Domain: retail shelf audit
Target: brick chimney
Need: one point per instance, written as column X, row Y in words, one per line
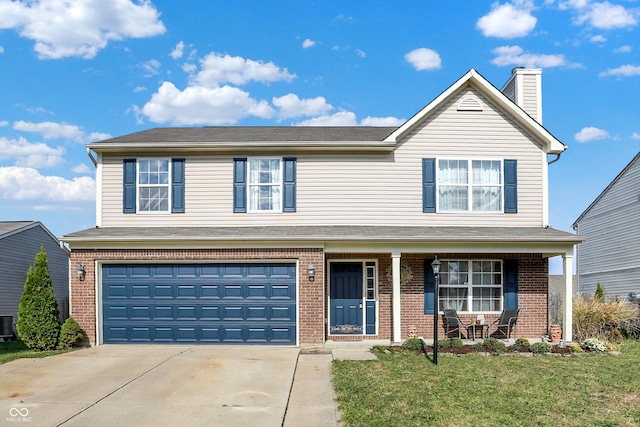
column 524, row 87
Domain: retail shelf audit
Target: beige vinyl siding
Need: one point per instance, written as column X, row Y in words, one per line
column 611, row 229
column 358, row 189
column 530, row 95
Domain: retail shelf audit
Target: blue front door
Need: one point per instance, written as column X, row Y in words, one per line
column 345, row 295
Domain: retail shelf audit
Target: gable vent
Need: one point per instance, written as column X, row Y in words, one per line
column 469, row 103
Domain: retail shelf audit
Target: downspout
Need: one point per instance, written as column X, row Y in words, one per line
column 93, row 160
column 556, row 159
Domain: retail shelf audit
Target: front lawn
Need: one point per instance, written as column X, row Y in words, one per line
column 406, row 389
column 16, row 349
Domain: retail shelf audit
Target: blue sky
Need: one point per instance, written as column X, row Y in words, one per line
column 80, row 71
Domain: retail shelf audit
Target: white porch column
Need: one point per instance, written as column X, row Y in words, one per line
column 395, row 272
column 567, row 326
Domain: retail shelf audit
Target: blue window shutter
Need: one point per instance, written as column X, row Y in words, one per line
column 429, row 287
column 428, row 185
column 240, row 185
column 289, row 181
column 510, row 186
column 510, row 283
column 129, row 186
column 177, row 185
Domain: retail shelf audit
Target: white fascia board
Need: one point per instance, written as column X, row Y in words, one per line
column 99, row 191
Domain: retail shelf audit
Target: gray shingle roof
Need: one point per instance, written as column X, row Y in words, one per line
column 7, row 227
column 325, row 233
column 255, row 134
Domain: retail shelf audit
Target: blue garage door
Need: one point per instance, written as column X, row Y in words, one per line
column 205, row 303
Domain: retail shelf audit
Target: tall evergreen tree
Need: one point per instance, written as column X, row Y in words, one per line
column 38, row 314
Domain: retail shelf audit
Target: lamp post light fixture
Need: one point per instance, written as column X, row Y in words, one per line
column 435, row 265
column 311, row 272
column 80, row 271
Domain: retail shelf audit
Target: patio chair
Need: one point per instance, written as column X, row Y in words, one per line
column 452, row 322
column 507, row 320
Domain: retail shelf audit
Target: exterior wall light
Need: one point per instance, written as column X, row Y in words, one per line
column 435, row 265
column 311, row 272
column 81, row 272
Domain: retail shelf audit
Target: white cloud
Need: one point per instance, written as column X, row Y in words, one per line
column 598, row 39
column 177, row 51
column 508, row 20
column 139, row 89
column 25, row 153
column 347, row 118
column 590, row 134
column 1, row 49
column 623, row 49
column 52, row 130
column 189, row 68
column 424, row 59
column 4, row 123
column 361, row 53
column 82, row 169
column 514, row 55
column 79, row 28
column 341, row 118
column 606, row 16
column 382, row 121
column 219, row 69
column 25, row 183
column 624, row 70
column 307, row 43
column 635, row 135
column 197, row 105
column 291, row 105
column 151, row 67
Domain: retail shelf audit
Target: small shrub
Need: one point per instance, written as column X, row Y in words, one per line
column 541, row 347
column 594, row 345
column 521, row 343
column 575, row 348
column 615, row 336
column 444, row 343
column 599, row 294
column 595, row 318
column 70, row 334
column 478, row 346
column 413, row 344
column 493, row 345
column 456, row 343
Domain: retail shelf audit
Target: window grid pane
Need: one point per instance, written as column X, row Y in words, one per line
column 265, row 179
column 471, row 285
column 153, row 185
column 478, row 190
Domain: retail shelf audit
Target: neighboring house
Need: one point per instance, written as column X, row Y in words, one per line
column 20, row 242
column 610, row 254
column 300, row 235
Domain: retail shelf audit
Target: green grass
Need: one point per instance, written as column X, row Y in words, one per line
column 405, row 389
column 16, row 349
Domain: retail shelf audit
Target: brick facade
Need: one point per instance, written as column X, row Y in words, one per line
column 312, row 295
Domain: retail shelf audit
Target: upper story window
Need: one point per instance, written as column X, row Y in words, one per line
column 264, row 184
column 153, row 185
column 474, row 185
column 462, row 185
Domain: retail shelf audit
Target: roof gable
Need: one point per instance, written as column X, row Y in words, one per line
column 9, row 228
column 478, row 82
column 606, row 190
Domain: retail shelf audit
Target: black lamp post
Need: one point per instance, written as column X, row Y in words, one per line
column 436, row 292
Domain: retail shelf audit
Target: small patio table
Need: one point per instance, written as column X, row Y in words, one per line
column 474, row 326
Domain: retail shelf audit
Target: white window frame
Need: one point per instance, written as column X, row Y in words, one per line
column 139, row 209
column 469, row 185
column 250, row 208
column 470, row 286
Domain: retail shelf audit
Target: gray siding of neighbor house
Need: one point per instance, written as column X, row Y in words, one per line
column 610, row 254
column 17, row 254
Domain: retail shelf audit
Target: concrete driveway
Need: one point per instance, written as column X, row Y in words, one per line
column 125, row 385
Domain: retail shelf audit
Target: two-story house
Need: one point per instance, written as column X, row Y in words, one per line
column 300, row 235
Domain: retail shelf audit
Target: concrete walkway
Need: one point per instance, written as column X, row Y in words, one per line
column 312, row 402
